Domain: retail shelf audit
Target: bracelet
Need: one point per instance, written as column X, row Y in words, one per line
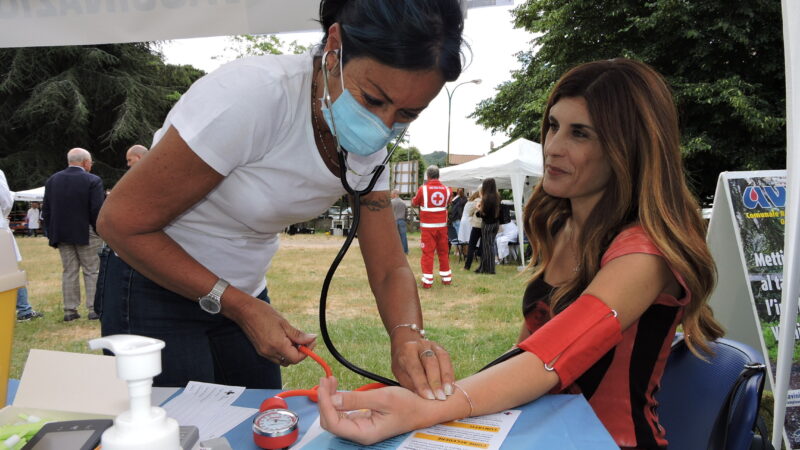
column 413, row 326
column 469, row 400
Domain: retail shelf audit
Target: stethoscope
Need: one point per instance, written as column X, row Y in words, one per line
column 356, row 194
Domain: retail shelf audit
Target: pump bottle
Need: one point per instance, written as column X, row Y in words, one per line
column 144, row 426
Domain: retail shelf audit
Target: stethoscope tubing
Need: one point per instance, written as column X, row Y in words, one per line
column 356, row 194
column 323, row 298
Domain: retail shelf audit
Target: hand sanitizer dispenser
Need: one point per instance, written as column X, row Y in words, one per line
column 144, row 426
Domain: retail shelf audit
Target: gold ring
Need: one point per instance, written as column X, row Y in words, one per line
column 427, row 353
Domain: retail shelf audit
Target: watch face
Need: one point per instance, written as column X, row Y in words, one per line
column 275, row 422
column 210, row 305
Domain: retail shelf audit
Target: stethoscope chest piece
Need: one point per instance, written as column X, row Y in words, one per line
column 275, row 426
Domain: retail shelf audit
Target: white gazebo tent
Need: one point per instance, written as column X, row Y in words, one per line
column 516, row 166
column 30, row 195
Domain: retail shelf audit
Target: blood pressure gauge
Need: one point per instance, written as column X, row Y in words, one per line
column 276, row 427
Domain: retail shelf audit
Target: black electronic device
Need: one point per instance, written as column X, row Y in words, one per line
column 69, row 435
column 189, row 435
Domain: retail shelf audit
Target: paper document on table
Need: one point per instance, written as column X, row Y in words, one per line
column 484, row 432
column 208, row 407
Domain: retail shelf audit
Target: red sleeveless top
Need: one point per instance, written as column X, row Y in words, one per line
column 622, row 384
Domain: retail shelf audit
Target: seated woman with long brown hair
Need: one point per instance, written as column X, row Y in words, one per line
column 620, row 261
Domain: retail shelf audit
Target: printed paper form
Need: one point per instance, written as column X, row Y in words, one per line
column 208, row 407
column 483, row 432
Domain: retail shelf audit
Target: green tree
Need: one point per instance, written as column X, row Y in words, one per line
column 103, row 98
column 436, row 158
column 262, row 44
column 723, row 59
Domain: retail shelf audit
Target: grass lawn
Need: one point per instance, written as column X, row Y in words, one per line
column 476, row 318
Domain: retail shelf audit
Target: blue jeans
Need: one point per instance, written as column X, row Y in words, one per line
column 23, row 307
column 456, row 225
column 199, row 346
column 401, row 228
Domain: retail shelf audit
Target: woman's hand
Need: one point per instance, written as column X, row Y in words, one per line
column 371, row 416
column 417, row 363
column 421, row 365
column 272, row 336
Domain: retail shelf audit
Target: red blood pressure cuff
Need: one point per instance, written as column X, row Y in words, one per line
column 572, row 341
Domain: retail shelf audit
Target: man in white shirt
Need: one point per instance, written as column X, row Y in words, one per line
column 32, row 219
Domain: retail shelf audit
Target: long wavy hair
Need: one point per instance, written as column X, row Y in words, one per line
column 490, row 198
column 636, row 121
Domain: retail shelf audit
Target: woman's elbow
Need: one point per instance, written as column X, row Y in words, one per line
column 108, row 225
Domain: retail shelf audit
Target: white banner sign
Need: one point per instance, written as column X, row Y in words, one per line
column 31, row 23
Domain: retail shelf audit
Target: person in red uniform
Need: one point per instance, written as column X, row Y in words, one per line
column 432, row 199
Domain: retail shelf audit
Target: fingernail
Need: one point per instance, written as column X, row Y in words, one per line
column 429, row 395
column 337, row 400
column 448, row 389
column 440, row 395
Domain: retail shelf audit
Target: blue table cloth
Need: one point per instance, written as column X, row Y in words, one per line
column 565, row 422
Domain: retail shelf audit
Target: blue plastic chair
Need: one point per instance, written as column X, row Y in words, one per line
column 711, row 405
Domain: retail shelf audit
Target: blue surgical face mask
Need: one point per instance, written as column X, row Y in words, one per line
column 355, row 128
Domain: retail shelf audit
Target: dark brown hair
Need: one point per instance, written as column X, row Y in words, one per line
column 490, row 198
column 633, row 112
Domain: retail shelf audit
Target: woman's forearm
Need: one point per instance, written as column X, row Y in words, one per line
column 495, row 389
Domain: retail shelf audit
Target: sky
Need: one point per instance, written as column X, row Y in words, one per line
column 493, row 43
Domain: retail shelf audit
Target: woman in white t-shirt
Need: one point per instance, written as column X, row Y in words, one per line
column 252, row 148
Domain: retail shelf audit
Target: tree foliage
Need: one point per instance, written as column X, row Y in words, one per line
column 103, row 98
column 262, row 44
column 723, row 60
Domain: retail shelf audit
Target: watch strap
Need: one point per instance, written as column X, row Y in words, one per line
column 218, row 289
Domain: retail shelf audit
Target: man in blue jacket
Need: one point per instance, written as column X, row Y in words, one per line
column 72, row 200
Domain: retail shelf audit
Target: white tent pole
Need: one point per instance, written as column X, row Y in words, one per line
column 517, row 185
column 791, row 258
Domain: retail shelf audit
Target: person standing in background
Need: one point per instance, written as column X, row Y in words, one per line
column 72, row 201
column 432, row 199
column 32, row 218
column 464, row 225
column 24, row 310
column 134, row 154
column 456, row 210
column 399, row 208
column 489, row 212
column 475, row 224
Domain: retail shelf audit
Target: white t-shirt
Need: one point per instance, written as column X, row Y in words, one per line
column 250, row 120
column 33, row 218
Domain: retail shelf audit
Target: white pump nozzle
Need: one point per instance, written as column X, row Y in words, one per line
column 137, row 357
column 143, row 427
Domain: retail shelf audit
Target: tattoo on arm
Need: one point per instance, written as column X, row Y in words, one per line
column 378, row 203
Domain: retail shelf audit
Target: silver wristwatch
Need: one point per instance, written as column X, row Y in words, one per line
column 211, row 302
